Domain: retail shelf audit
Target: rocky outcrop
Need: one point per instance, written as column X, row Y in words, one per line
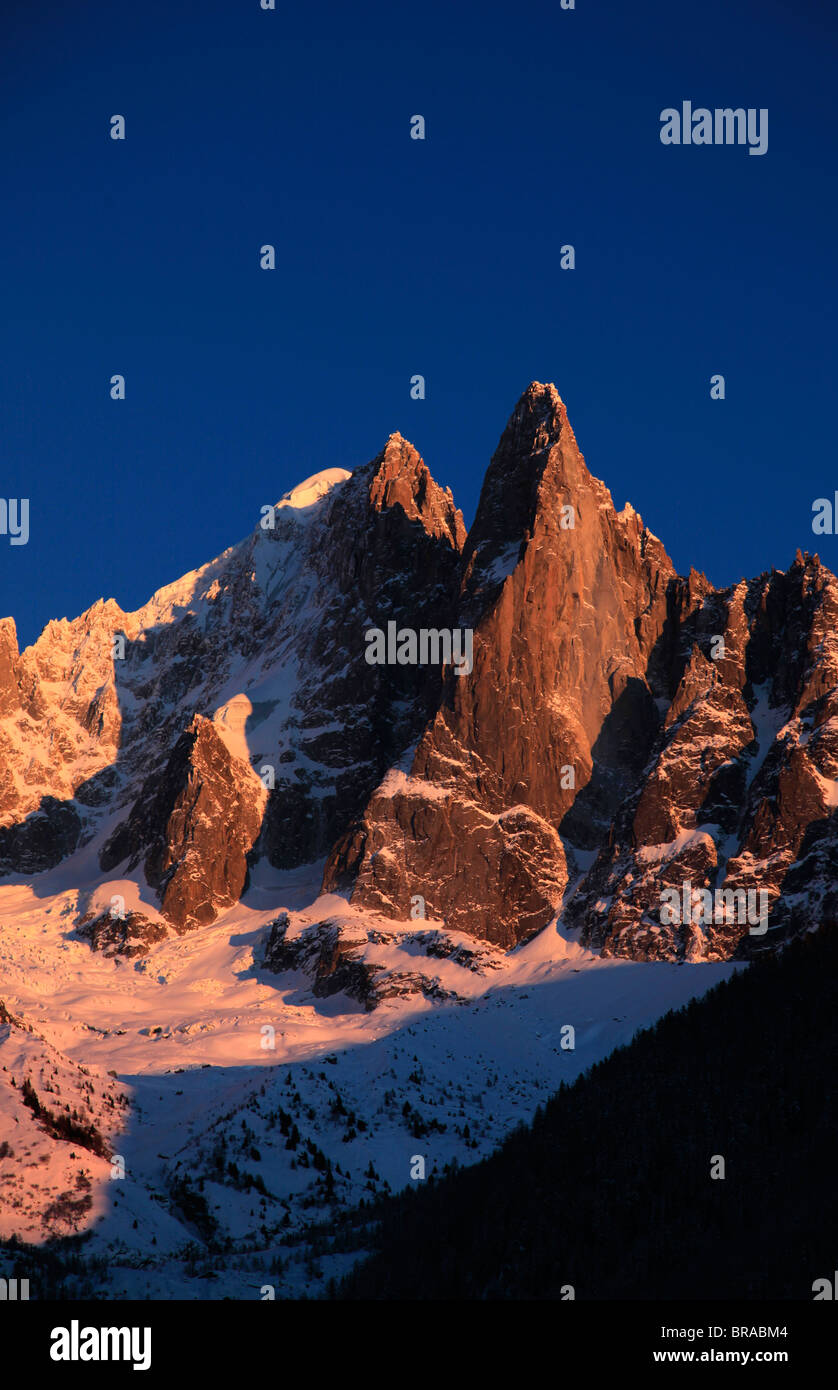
column 193, row 828
column 497, row 876
column 48, row 835
column 123, row 934
column 324, row 952
column 740, row 791
column 371, row 964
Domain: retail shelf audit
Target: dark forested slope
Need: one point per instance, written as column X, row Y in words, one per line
column 610, row 1190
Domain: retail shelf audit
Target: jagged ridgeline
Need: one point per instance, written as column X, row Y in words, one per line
column 618, row 735
column 611, row 1192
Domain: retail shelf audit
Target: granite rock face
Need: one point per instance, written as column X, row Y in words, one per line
column 193, row 828
column 568, row 602
column 386, row 550
column 622, row 735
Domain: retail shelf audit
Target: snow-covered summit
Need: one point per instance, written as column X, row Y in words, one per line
column 312, row 490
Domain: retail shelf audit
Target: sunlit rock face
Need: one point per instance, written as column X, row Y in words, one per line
column 534, row 750
column 617, row 732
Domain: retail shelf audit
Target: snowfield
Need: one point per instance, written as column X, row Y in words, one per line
column 240, row 1115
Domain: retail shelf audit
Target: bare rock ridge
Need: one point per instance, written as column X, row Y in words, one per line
column 740, row 792
column 623, row 729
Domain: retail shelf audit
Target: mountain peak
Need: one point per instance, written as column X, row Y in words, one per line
column 537, row 441
column 542, row 393
column 539, row 416
column 312, row 489
column 401, row 477
column 398, row 456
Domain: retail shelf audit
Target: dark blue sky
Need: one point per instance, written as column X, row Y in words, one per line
column 398, row 257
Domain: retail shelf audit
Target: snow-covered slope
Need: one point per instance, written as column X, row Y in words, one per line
column 256, row 1108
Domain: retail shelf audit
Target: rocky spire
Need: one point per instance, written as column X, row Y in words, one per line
column 567, row 601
